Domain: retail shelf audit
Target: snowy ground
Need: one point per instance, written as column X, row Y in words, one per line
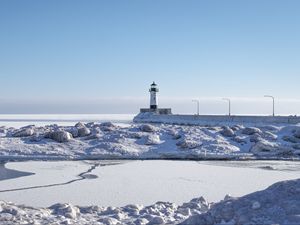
column 279, row 204
column 144, row 141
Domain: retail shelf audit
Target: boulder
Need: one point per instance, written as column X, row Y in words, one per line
column 79, row 124
column 264, row 148
column 93, row 136
column 255, row 138
column 36, row 138
column 152, row 140
column 73, row 131
column 291, row 139
column 297, row 133
column 270, row 135
column 251, row 131
column 2, row 129
column 66, row 210
column 147, row 128
column 175, row 134
column 237, row 127
column 157, row 220
column 135, row 135
column 227, row 132
column 239, row 140
column 271, row 128
column 83, row 131
column 59, row 136
column 296, row 146
column 107, row 126
column 24, row 132
column 188, row 144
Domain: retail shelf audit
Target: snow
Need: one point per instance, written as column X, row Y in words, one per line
column 107, row 140
column 278, row 204
column 122, row 189
column 117, row 183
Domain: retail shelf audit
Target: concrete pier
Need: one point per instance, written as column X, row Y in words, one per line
column 213, row 120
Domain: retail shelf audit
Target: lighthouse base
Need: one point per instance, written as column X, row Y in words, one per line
column 160, row 111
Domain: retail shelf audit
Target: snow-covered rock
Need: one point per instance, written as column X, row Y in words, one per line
column 83, row 131
column 73, row 131
column 152, row 139
column 107, row 140
column 264, row 147
column 66, row 210
column 188, row 144
column 237, row 127
column 227, row 132
column 3, row 131
column 278, row 204
column 59, row 136
column 255, row 138
column 24, row 132
column 93, row 136
column 239, row 140
column 270, row 135
column 147, row 128
column 251, row 130
column 108, row 126
column 291, row 139
column 297, row 133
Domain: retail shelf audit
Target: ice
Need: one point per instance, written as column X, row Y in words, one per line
column 20, row 120
column 141, row 182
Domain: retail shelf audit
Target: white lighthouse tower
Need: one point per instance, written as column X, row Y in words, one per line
column 153, row 103
column 153, row 100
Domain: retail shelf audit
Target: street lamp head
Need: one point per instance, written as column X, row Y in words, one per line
column 269, row 96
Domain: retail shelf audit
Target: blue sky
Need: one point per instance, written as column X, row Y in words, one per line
column 101, row 56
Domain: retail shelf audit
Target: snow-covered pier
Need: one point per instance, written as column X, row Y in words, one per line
column 214, row 120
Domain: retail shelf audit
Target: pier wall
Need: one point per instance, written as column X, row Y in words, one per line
column 214, row 119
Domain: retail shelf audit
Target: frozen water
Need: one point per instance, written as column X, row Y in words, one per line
column 141, row 182
column 20, row 120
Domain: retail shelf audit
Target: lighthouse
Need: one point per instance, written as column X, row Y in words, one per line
column 153, row 103
column 153, row 100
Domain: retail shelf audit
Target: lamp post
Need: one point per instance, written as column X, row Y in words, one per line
column 198, row 105
column 229, row 105
column 273, row 99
